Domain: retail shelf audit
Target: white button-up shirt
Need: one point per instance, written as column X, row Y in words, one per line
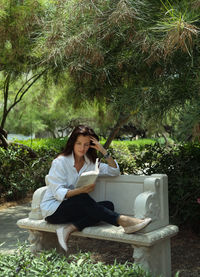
column 63, row 176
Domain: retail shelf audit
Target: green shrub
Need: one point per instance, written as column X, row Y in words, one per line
column 14, row 178
column 182, row 166
column 50, row 263
column 20, row 172
column 39, row 145
column 123, row 156
column 133, row 144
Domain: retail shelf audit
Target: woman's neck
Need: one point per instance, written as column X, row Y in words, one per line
column 79, row 162
column 79, row 159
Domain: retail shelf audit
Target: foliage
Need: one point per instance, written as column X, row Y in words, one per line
column 138, row 59
column 126, row 151
column 45, row 144
column 20, row 22
column 50, row 263
column 20, row 172
column 186, row 122
column 141, row 57
column 48, row 111
column 123, row 156
column 19, row 27
column 181, row 164
column 13, row 173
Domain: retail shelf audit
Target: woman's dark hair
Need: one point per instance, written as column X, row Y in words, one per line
column 84, row 131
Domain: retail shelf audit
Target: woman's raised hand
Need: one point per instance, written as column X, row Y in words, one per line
column 97, row 145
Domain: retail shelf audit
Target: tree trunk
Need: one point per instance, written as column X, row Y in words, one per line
column 5, row 104
column 121, row 121
column 3, row 138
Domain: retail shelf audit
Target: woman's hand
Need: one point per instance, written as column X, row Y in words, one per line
column 87, row 189
column 84, row 189
column 97, row 145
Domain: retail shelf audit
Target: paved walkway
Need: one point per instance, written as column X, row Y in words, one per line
column 10, row 233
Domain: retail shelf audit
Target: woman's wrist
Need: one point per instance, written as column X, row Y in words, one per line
column 104, row 152
column 107, row 155
column 72, row 192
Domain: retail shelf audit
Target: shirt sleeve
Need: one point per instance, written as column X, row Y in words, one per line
column 105, row 169
column 56, row 180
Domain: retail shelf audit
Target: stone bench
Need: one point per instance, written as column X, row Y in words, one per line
column 139, row 196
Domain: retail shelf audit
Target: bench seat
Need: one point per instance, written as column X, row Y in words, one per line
column 106, row 232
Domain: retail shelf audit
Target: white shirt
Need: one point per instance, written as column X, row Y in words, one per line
column 63, row 176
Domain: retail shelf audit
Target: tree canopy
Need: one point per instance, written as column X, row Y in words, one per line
column 20, row 22
column 140, row 58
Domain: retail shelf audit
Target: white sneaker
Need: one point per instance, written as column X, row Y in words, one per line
column 61, row 238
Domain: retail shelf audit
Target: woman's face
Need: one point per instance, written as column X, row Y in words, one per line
column 81, row 146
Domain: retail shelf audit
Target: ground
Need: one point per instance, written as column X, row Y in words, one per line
column 185, row 248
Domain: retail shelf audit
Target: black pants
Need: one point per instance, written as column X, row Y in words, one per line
column 83, row 211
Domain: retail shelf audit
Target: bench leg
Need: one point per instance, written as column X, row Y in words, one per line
column 155, row 259
column 43, row 241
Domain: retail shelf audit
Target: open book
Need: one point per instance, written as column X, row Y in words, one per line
column 89, row 177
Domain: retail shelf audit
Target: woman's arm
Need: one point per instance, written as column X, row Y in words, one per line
column 84, row 189
column 104, row 152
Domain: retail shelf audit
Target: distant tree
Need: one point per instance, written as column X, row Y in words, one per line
column 48, row 111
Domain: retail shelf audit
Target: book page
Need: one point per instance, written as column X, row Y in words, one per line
column 89, row 177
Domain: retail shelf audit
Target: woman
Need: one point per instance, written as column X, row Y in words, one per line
column 63, row 203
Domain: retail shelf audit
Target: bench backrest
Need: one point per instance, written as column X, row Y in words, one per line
column 139, row 196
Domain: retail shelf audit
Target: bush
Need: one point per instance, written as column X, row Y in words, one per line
column 123, row 156
column 20, row 172
column 14, row 167
column 181, row 164
column 40, row 145
column 50, row 263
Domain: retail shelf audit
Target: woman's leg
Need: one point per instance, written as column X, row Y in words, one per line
column 83, row 211
column 91, row 220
